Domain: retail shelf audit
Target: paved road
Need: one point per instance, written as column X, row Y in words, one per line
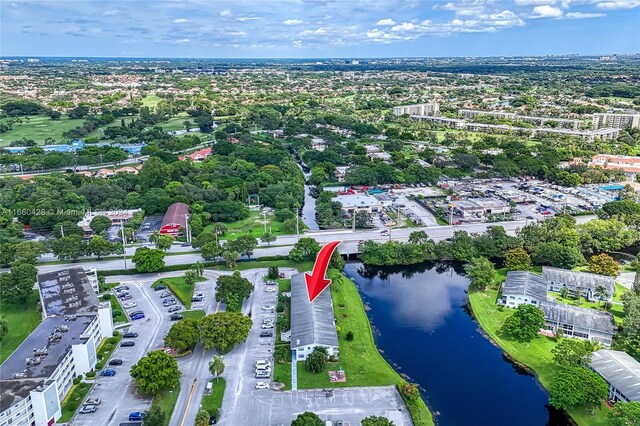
column 283, row 244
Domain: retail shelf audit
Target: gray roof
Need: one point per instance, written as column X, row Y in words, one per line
column 311, row 323
column 67, row 292
column 577, row 316
column 526, row 284
column 620, row 370
column 36, row 374
column 579, row 279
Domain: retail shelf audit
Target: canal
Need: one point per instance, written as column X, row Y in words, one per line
column 422, row 326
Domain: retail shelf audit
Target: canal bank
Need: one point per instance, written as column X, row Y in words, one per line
column 423, row 328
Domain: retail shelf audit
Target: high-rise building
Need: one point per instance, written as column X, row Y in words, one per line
column 618, row 121
column 426, row 109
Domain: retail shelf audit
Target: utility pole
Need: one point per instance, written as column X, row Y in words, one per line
column 61, row 231
column 264, row 214
column 297, row 225
column 124, row 244
column 353, row 225
column 187, row 231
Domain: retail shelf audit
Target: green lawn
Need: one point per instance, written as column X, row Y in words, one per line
column 22, row 320
column 620, row 290
column 195, row 315
column 179, row 288
column 212, row 403
column 39, row 128
column 166, row 401
column 282, row 374
column 105, row 350
column 151, row 100
column 252, row 264
column 535, row 355
column 616, row 310
column 73, row 401
column 252, row 225
column 359, row 358
column 117, row 313
column 176, row 123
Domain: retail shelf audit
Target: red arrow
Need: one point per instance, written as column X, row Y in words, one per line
column 316, row 282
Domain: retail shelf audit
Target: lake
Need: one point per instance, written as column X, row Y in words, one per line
column 422, row 326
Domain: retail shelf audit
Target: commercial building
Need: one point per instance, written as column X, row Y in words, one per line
column 618, row 121
column 38, row 375
column 116, row 217
column 480, row 207
column 426, row 109
column 312, row 324
column 523, row 287
column 587, row 284
column 579, row 323
column 630, row 165
column 174, row 219
column 357, row 203
column 620, row 371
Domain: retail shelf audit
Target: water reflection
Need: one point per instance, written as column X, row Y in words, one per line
column 422, row 327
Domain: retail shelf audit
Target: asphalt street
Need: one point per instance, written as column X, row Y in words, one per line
column 282, row 245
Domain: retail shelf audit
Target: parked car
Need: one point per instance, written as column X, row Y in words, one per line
column 122, row 294
column 130, row 335
column 136, row 313
column 270, row 289
column 174, row 309
column 168, row 303
column 137, row 317
column 128, row 343
column 384, row 232
column 176, row 317
column 160, row 287
column 137, row 416
column 129, row 305
column 108, row 372
column 262, row 375
column 262, row 385
column 165, row 294
column 197, row 299
column 266, row 326
column 122, row 288
column 115, row 361
column 87, row 409
column 272, row 283
column 268, row 308
column 266, row 334
column 93, row 401
column 127, row 297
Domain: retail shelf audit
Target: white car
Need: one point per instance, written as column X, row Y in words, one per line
column 129, row 305
column 268, row 308
column 270, row 289
column 262, row 385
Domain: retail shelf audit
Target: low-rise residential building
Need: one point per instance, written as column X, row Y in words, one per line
column 586, row 283
column 312, row 324
column 39, row 374
column 340, row 173
column 358, row 202
column 630, row 165
column 382, row 156
column 318, row 144
column 580, row 323
column 619, row 121
column 523, row 287
column 198, row 155
column 620, row 371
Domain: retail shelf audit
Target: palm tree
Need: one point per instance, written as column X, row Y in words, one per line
column 564, row 292
column 219, row 228
column 216, row 367
column 153, row 238
column 230, row 257
column 601, row 292
column 198, row 267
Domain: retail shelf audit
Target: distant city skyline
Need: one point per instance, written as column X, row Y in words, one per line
column 318, row 28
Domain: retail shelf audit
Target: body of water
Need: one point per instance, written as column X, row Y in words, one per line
column 422, row 326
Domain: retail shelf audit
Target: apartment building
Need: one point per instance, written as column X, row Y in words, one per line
column 630, row 165
column 426, row 109
column 618, row 121
column 39, row 374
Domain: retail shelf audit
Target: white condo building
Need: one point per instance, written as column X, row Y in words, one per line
column 430, row 108
column 618, row 121
column 39, row 374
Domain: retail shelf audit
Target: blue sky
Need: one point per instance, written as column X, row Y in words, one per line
column 318, row 28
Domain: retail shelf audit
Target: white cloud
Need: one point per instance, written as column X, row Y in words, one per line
column 386, row 22
column 110, row 12
column 226, row 12
column 582, row 15
column 405, row 26
column 292, row 22
column 619, row 4
column 297, row 43
column 534, row 2
column 181, row 41
column 457, row 22
column 546, row 11
column 179, row 21
column 247, row 18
